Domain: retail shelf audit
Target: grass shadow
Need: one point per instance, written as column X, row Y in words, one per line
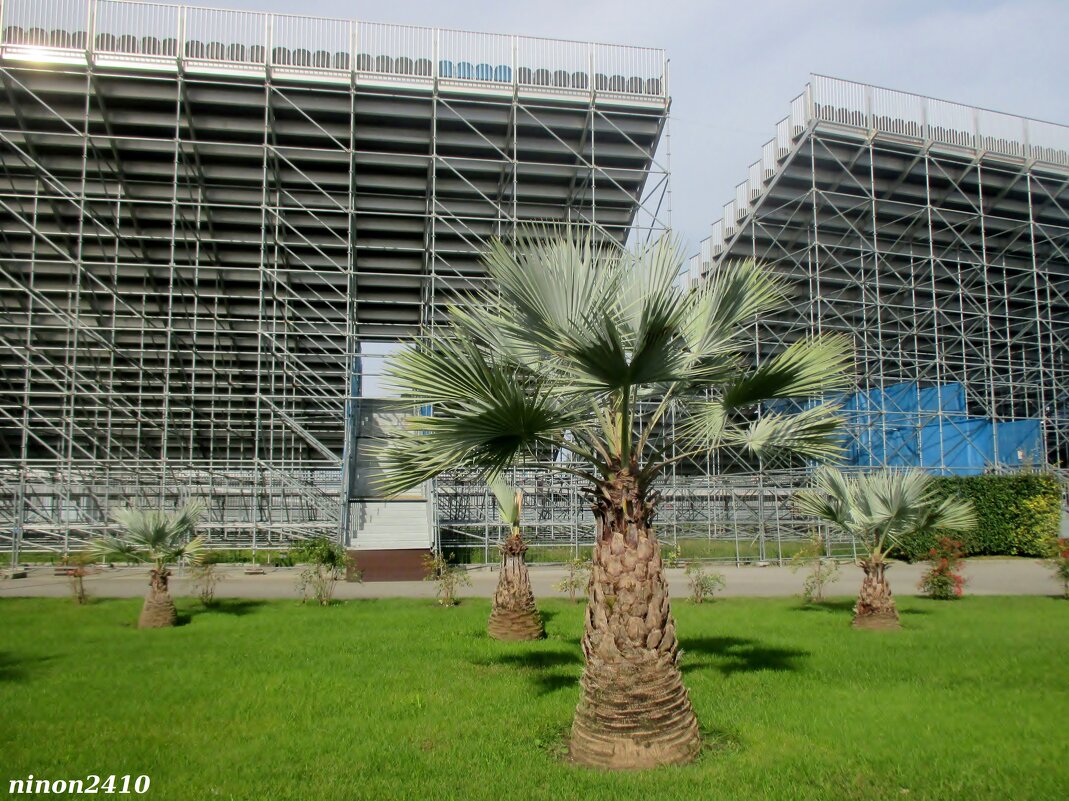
column 838, row 605
column 19, row 669
column 236, row 607
column 732, row 655
column 544, row 669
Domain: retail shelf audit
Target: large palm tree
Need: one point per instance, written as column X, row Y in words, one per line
column 514, row 615
column 577, row 357
column 877, row 510
column 160, row 539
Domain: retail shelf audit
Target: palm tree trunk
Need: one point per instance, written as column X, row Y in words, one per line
column 158, row 611
column 514, row 616
column 875, row 607
column 634, row 711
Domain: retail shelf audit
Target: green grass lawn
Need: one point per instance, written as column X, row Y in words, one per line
column 401, row 699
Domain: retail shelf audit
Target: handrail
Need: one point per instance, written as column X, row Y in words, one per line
column 146, row 32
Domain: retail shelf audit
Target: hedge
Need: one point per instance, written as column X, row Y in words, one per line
column 1017, row 514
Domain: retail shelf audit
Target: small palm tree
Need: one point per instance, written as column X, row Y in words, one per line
column 877, row 510
column 514, row 615
column 160, row 539
column 577, row 359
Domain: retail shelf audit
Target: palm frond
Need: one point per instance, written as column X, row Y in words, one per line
column 509, row 503
column 812, row 434
column 734, row 294
column 805, row 369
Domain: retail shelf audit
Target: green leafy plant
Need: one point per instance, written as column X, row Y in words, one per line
column 574, row 356
column 324, row 563
column 79, row 565
column 206, row 578
column 1016, row 515
column 576, row 577
column 159, row 539
column 448, row 576
column 942, row 580
column 703, row 585
column 1058, row 559
column 877, row 510
column 820, row 570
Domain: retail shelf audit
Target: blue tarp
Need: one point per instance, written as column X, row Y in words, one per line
column 909, row 425
column 906, row 425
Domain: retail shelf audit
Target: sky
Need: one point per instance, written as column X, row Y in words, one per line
column 735, row 66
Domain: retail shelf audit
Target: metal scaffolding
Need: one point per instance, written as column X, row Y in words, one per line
column 206, row 216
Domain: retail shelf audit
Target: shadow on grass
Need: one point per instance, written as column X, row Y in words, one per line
column 14, row 668
column 545, row 669
column 841, row 605
column 732, row 655
column 237, row 607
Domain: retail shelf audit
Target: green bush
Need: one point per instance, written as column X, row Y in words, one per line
column 1017, row 515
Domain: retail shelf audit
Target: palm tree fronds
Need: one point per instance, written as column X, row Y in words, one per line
column 805, row 369
column 812, row 434
column 508, row 501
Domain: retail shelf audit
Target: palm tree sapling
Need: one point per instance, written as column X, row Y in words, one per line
column 514, row 615
column 877, row 510
column 578, row 358
column 160, row 539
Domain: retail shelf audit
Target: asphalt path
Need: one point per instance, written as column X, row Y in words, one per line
column 984, row 577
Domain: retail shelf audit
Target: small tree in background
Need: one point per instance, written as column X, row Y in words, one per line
column 577, row 578
column 449, row 577
column 877, row 510
column 206, row 578
column 703, row 585
column 325, row 562
column 79, row 565
column 160, row 539
column 1059, row 562
column 822, row 570
column 942, row 580
column 514, row 615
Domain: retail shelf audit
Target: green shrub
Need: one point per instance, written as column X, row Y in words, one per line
column 1017, row 515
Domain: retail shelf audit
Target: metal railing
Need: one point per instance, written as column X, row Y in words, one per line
column 242, row 40
column 876, row 110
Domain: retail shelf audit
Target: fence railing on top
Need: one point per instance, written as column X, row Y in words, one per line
column 210, row 37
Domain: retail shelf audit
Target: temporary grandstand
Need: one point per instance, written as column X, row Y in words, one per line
column 209, row 218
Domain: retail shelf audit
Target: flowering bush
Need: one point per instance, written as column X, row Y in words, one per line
column 1059, row 562
column 942, row 580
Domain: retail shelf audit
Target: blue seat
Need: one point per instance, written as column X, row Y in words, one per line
column 484, row 72
column 524, row 75
column 445, row 69
column 364, row 62
column 384, row 64
column 341, row 60
column 423, row 67
column 236, row 52
column 302, row 57
column 404, row 65
column 503, row 73
column 465, row 70
column 541, row 77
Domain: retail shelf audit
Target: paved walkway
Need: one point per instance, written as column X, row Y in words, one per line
column 985, row 577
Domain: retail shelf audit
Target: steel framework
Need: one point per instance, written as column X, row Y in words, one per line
column 206, row 215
